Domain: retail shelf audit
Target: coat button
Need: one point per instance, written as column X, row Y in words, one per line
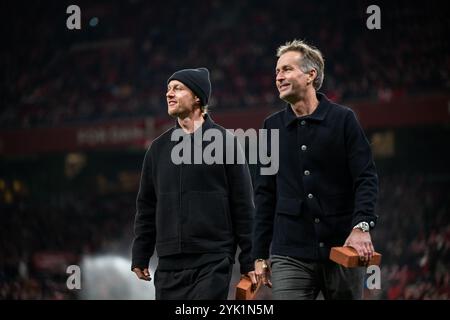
column 310, row 196
column 372, row 224
column 307, row 173
column 304, row 148
column 316, row 220
column 321, row 244
column 303, row 122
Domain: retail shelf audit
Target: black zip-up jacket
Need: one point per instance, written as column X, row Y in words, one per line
column 193, row 208
column 326, row 184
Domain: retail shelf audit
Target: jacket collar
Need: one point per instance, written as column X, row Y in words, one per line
column 318, row 114
column 207, row 124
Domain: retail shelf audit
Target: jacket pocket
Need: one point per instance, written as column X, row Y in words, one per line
column 208, row 216
column 167, row 216
column 291, row 228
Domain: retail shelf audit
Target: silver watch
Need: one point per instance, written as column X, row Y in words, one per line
column 364, row 226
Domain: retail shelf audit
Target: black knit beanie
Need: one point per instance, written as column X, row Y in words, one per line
column 197, row 80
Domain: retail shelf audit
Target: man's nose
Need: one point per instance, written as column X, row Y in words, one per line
column 279, row 77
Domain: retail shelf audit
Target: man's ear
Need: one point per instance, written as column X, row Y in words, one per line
column 197, row 99
column 312, row 75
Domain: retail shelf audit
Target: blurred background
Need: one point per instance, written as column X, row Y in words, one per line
column 78, row 108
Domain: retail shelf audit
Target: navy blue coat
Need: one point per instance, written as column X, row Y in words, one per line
column 326, row 184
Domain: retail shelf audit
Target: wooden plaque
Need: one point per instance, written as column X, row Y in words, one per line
column 348, row 257
column 245, row 290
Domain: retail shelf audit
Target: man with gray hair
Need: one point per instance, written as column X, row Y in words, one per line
column 325, row 190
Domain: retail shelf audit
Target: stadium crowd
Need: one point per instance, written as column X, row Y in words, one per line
column 414, row 236
column 118, row 67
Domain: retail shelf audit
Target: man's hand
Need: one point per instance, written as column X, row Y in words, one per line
column 142, row 274
column 262, row 272
column 362, row 243
column 252, row 276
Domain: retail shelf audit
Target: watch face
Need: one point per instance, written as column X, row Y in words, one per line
column 364, row 226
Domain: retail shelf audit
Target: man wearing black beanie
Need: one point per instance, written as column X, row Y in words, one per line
column 198, row 81
column 194, row 214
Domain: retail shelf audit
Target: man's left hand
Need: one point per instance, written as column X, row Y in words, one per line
column 252, row 277
column 362, row 243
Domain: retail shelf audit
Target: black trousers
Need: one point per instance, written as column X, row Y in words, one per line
column 206, row 282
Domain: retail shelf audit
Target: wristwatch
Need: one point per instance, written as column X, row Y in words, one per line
column 264, row 266
column 363, row 226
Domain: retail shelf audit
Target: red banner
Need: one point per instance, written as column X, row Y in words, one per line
column 106, row 135
column 120, row 135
